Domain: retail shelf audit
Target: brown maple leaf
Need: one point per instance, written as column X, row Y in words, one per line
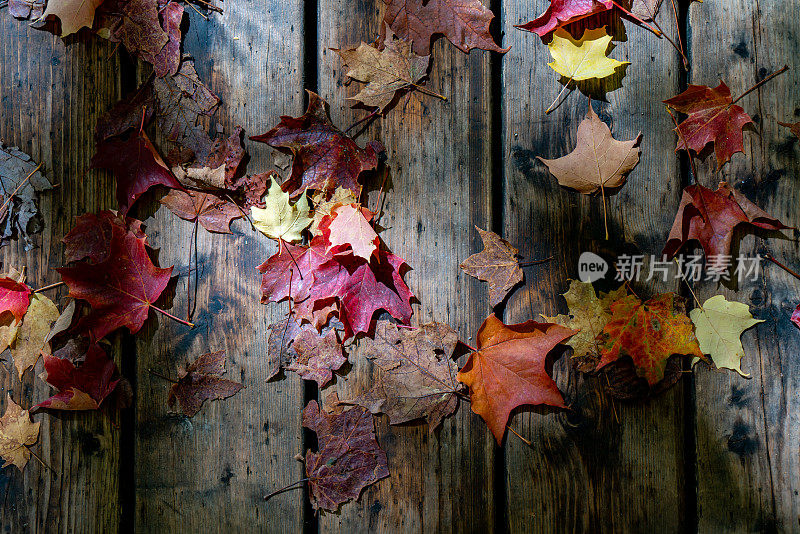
column 465, row 23
column 72, row 14
column 317, row 356
column 280, row 352
column 648, row 333
column 418, row 378
column 135, row 24
column 324, row 157
column 497, row 264
column 710, row 217
column 201, row 381
column 348, row 458
column 509, row 369
column 210, row 211
column 17, row 434
column 793, row 127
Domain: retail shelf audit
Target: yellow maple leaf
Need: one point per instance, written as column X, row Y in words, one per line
column 17, row 433
column 279, row 219
column 583, row 59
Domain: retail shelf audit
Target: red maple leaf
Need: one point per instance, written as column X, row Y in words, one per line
column 120, row 289
column 465, row 23
column 136, row 166
column 713, row 118
column 14, row 297
column 796, row 316
column 92, row 235
column 80, row 387
column 324, row 157
column 509, row 369
column 562, row 12
column 290, row 272
column 710, row 217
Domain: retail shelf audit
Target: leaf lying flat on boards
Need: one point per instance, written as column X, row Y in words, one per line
column 213, row 213
column 584, row 58
column 323, row 205
column 30, row 339
column 316, row 356
column 73, row 14
column 348, row 457
column 418, row 378
column 718, row 325
column 279, row 219
column 497, row 264
column 562, row 12
column 24, row 9
column 80, row 387
column 350, row 226
column 20, row 217
column 17, row 433
column 202, row 381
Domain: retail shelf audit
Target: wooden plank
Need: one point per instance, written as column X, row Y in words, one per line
column 439, row 154
column 748, row 471
column 210, row 472
column 50, row 99
column 604, row 465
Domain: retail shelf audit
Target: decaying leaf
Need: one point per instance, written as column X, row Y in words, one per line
column 386, row 71
column 718, row 325
column 418, row 378
column 63, row 322
column 348, row 457
column 465, row 23
column 201, row 381
column 324, row 157
column 712, row 118
column 280, row 352
column 323, row 207
column 20, row 182
column 648, row 333
column 509, row 370
column 562, row 12
column 584, row 58
column 645, row 9
column 30, row 339
column 213, row 213
column 497, row 264
column 135, row 24
column 82, row 386
column 316, row 356
column 17, row 433
column 73, row 14
column 279, row 219
column 24, row 9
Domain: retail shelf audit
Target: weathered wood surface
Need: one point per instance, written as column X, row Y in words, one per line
column 715, row 453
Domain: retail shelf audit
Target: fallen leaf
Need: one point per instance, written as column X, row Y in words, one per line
column 348, row 456
column 137, row 167
column 30, row 339
column 387, row 71
column 712, row 118
column 316, row 356
column 279, row 219
column 135, row 111
column 588, row 314
column 288, row 273
column 21, row 182
column 562, row 12
column 120, row 289
column 73, row 14
column 465, row 23
column 794, row 128
column 599, row 161
column 201, row 381
column 509, row 369
column 583, row 59
column 24, row 9
column 323, row 207
column 135, row 24
column 280, row 352
column 718, row 325
column 211, row 212
column 324, row 157
column 497, row 264
column 796, row 316
column 168, row 60
column 648, row 333
column 350, row 225
column 418, row 374
column 15, row 297
column 710, row 217
column 215, row 164
column 91, row 236
column 17, row 433
column 63, row 322
column 80, row 387
column 645, row 9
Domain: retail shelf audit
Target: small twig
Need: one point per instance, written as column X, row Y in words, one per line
column 3, row 207
column 244, row 213
column 286, row 488
column 209, row 5
column 528, row 443
column 159, row 310
column 553, row 105
column 759, row 84
column 473, row 349
column 281, row 244
column 37, row 457
column 406, row 326
column 680, row 272
column 371, row 115
column 51, row 286
column 162, row 377
column 782, row 266
column 197, row 10
column 534, row 262
column 680, row 39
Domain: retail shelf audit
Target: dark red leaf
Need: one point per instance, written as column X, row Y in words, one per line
column 562, row 12
column 211, row 212
column 80, row 387
column 92, row 235
column 202, row 381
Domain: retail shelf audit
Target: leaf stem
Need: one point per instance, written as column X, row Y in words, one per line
column 759, row 84
column 782, row 266
column 368, row 117
column 286, row 488
column 51, row 286
column 37, row 457
column 685, row 145
column 162, row 377
column 534, row 262
column 159, row 310
column 656, row 31
column 19, row 187
column 528, row 443
column 553, row 105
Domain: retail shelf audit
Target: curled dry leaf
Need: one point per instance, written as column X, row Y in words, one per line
column 497, row 264
column 584, row 58
column 348, row 458
column 465, row 23
column 324, row 157
column 718, row 325
column 279, row 219
column 418, row 375
column 17, row 433
column 509, row 369
column 202, row 381
column 710, row 217
column 210, row 211
column 82, row 386
column 32, row 334
column 280, row 352
column 19, row 177
column 648, row 333
column 793, row 127
column 73, row 14
column 562, row 12
column 394, row 68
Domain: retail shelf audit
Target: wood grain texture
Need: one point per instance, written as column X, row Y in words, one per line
column 439, row 154
column 748, row 470
column 209, row 473
column 604, row 465
column 50, row 97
